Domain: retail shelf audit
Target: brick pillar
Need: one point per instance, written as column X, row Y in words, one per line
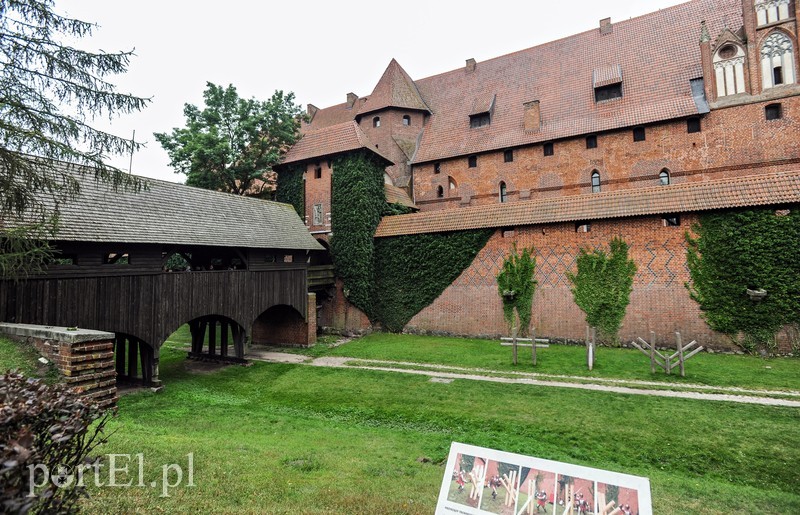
column 311, row 319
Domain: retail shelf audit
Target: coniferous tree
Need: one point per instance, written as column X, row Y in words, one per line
column 49, row 94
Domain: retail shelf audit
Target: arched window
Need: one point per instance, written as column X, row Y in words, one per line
column 595, row 181
column 376, row 122
column 439, row 192
column 503, row 192
column 406, row 120
column 729, row 70
column 663, row 177
column 770, row 11
column 452, row 184
column 777, row 61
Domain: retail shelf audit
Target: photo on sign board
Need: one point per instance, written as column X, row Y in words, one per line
column 616, row 500
column 501, row 486
column 467, row 481
column 574, row 495
column 537, row 490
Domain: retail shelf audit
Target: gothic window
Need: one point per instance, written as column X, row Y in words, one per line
column 439, row 192
column 729, row 70
column 376, row 122
column 595, row 182
column 406, row 120
column 452, row 185
column 770, row 11
column 777, row 60
column 503, row 192
column 663, row 177
column 317, row 214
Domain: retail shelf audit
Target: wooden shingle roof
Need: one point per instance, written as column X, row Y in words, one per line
column 169, row 213
column 754, row 190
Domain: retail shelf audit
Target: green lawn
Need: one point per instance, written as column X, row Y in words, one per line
column 295, row 439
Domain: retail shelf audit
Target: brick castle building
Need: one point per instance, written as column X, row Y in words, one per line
column 630, row 129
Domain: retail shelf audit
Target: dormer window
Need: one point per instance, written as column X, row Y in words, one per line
column 479, row 120
column 607, row 82
column 729, row 70
column 777, row 61
column 406, row 120
column 376, row 122
column 770, row 11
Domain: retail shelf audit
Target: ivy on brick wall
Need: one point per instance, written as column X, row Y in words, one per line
column 602, row 287
column 357, row 199
column 516, row 285
column 737, row 251
column 290, row 188
column 413, row 270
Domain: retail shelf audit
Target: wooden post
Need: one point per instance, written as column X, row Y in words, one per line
column 652, row 352
column 514, row 342
column 679, row 341
column 533, row 345
column 133, row 347
column 146, row 355
column 223, row 344
column 120, row 350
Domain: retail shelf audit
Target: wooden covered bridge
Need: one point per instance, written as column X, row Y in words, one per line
column 142, row 264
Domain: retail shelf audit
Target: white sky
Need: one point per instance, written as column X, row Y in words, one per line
column 319, row 49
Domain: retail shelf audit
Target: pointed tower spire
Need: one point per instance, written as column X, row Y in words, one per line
column 394, row 89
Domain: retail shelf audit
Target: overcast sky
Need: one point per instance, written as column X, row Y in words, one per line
column 319, row 49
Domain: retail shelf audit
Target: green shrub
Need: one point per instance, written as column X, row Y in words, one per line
column 602, row 287
column 290, row 188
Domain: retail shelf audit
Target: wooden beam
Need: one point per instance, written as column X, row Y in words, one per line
column 223, row 344
column 212, row 337
column 133, row 348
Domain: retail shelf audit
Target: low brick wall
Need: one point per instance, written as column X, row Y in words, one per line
column 84, row 357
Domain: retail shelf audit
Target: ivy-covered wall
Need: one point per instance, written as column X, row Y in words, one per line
column 357, row 201
column 414, row 270
column 739, row 250
column 290, row 188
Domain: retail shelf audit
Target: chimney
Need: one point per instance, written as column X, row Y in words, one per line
column 471, row 65
column 605, row 26
column 351, row 99
column 311, row 109
column 533, row 116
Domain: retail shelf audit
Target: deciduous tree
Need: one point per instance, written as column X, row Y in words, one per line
column 232, row 144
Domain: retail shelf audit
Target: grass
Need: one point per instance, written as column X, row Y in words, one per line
column 295, row 439
column 23, row 357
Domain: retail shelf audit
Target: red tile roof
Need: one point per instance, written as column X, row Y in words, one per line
column 395, row 195
column 659, row 54
column 753, row 190
column 330, row 140
column 394, row 89
column 607, row 75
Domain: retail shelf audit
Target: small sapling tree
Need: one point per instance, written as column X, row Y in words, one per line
column 602, row 287
column 516, row 285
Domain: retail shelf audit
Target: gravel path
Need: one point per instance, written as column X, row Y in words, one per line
column 529, row 379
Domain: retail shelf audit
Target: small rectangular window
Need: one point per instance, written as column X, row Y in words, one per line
column 318, row 172
column 591, row 141
column 773, row 112
column 672, row 221
column 479, row 120
column 508, row 156
column 548, row 149
column 609, row 92
column 472, row 161
column 437, row 167
column 583, row 227
column 693, row 125
column 638, row 134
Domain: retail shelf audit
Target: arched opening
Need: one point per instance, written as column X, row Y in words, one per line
column 503, row 192
column 729, row 63
column 663, row 177
column 406, row 120
column 280, row 325
column 595, row 182
column 439, row 192
column 452, row 185
column 777, row 60
column 217, row 337
column 376, row 122
column 134, row 361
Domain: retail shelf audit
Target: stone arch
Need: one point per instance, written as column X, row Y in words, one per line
column 281, row 324
column 777, row 60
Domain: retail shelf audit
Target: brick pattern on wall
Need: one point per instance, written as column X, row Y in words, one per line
column 659, row 302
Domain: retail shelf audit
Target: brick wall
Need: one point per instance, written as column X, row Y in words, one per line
column 733, row 141
column 84, row 358
column 659, row 302
column 338, row 315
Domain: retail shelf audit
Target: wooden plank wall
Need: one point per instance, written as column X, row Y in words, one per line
column 152, row 305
